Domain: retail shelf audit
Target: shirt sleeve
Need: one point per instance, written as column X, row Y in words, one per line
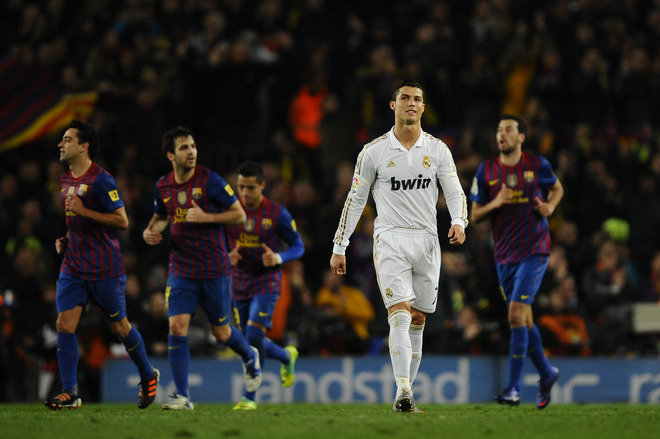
column 107, row 194
column 287, row 230
column 547, row 177
column 159, row 206
column 479, row 192
column 220, row 191
column 363, row 178
column 451, row 188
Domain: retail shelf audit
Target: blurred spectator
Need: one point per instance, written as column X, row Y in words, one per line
column 472, row 336
column 154, row 324
column 563, row 330
column 345, row 314
column 608, row 295
column 635, row 91
column 301, row 325
column 589, row 88
column 134, row 298
column 651, row 286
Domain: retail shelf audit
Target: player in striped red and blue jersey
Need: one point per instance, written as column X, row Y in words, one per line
column 518, row 191
column 92, row 269
column 197, row 204
column 266, row 239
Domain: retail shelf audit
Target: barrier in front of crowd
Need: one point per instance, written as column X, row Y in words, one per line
column 441, row 379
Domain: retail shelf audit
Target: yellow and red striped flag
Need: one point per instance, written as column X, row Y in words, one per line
column 32, row 105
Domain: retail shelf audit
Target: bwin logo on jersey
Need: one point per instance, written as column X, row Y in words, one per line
column 411, row 183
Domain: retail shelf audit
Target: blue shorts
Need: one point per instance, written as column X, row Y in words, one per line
column 521, row 281
column 107, row 294
column 259, row 309
column 182, row 296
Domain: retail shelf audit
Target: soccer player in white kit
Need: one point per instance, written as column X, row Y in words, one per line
column 403, row 170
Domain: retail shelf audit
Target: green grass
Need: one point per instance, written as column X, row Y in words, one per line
column 320, row 421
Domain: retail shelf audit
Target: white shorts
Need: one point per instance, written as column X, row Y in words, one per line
column 408, row 268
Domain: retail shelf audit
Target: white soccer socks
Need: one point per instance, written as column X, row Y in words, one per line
column 416, row 338
column 400, row 348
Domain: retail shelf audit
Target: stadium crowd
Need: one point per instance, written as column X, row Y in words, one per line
column 300, row 86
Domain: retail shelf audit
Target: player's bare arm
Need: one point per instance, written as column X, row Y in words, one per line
column 234, row 215
column 555, row 194
column 152, row 235
column 482, row 211
column 116, row 219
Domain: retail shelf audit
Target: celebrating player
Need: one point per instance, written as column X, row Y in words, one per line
column 197, row 203
column 267, row 239
column 518, row 191
column 402, row 170
column 92, row 268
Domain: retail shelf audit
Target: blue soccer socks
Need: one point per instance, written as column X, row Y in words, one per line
column 179, row 355
column 517, row 351
column 535, row 352
column 67, row 358
column 136, row 350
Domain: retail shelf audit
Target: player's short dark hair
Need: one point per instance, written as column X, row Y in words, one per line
column 87, row 133
column 251, row 169
column 406, row 83
column 522, row 126
column 173, row 134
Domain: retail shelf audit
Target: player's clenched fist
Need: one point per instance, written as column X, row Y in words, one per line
column 338, row 264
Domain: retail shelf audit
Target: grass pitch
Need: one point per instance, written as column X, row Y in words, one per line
column 319, row 421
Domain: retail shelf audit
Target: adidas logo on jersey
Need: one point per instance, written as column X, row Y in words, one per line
column 391, row 164
column 411, row 183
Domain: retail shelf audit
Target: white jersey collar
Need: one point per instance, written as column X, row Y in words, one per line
column 395, row 144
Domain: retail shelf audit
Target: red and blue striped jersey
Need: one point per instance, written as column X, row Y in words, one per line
column 93, row 251
column 199, row 250
column 270, row 224
column 518, row 231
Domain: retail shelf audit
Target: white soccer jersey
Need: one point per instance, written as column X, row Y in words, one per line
column 404, row 185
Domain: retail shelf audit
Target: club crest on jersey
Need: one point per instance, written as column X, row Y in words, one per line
column 512, row 180
column 196, row 193
column 182, row 197
column 249, row 225
column 266, row 223
column 82, row 190
column 426, row 162
column 388, row 293
column 528, row 176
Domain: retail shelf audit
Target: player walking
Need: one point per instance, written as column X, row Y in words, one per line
column 403, row 170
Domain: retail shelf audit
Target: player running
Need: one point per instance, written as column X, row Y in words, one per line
column 518, row 191
column 267, row 239
column 197, row 204
column 92, row 268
